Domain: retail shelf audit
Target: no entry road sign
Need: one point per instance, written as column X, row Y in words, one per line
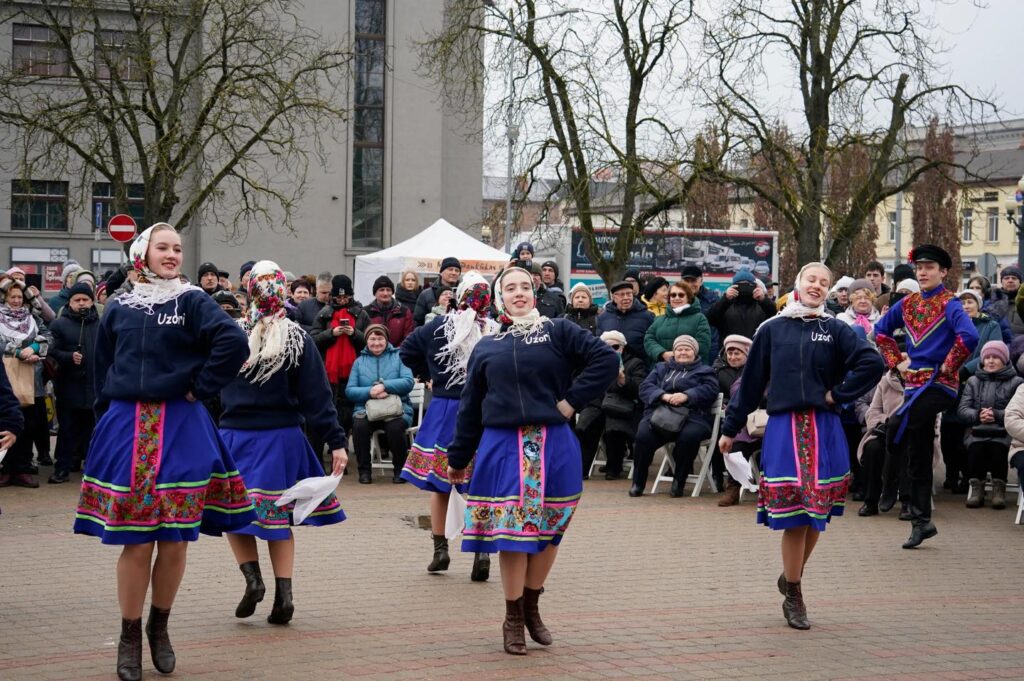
column 121, row 227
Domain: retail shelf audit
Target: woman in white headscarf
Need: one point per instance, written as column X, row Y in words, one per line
column 157, row 474
column 282, row 386
column 810, row 362
column 439, row 352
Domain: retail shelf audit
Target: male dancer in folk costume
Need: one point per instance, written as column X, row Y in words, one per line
column 439, row 352
column 940, row 338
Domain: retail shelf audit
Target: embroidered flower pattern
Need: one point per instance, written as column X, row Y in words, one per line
column 424, row 464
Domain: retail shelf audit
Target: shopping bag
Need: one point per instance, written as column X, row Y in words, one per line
column 739, row 469
column 455, row 521
column 308, row 494
column 22, row 377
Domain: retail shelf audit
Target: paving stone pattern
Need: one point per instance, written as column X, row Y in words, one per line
column 653, row 588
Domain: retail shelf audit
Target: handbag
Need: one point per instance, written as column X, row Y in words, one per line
column 384, row 409
column 757, row 422
column 22, row 377
column 668, row 420
column 617, row 406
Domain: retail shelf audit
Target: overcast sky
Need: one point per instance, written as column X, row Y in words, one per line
column 985, row 54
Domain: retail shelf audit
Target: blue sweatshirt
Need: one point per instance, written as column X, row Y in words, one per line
column 11, row 417
column 293, row 397
column 187, row 344
column 798, row 361
column 418, row 352
column 514, row 382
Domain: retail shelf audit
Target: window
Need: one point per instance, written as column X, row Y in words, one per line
column 968, row 224
column 744, row 223
column 993, row 224
column 893, row 226
column 39, row 205
column 116, row 49
column 368, row 121
column 103, row 209
column 36, row 52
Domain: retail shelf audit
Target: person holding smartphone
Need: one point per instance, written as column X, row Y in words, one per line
column 742, row 309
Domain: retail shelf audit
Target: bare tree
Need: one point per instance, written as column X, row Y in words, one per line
column 935, row 205
column 766, row 216
column 845, row 174
column 854, row 63
column 707, row 203
column 210, row 105
column 570, row 73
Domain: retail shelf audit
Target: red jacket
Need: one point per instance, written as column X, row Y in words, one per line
column 397, row 318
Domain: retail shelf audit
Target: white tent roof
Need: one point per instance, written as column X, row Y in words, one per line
column 423, row 254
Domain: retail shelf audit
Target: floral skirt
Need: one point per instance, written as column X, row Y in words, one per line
column 158, row 471
column 525, row 487
column 271, row 461
column 426, row 466
column 805, row 470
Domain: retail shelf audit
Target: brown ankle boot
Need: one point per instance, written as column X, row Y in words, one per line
column 731, row 497
column 159, row 642
column 129, row 651
column 531, row 615
column 793, row 607
column 512, row 628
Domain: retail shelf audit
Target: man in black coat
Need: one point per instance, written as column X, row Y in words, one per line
column 306, row 312
column 451, row 272
column 742, row 309
column 74, row 348
column 209, row 278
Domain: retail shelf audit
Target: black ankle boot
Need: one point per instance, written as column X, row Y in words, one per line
column 441, row 557
column 793, row 607
column 159, row 642
column 481, row 567
column 129, row 651
column 888, row 497
column 922, row 529
column 676, row 490
column 283, row 608
column 254, row 589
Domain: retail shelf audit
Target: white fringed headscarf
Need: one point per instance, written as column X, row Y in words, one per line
column 151, row 290
column 464, row 326
column 275, row 342
column 795, row 308
column 517, row 326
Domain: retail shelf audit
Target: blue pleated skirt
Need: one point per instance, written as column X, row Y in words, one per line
column 158, row 471
column 526, row 485
column 426, row 466
column 271, row 461
column 805, row 470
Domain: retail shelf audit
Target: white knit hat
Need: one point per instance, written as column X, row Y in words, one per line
column 909, row 284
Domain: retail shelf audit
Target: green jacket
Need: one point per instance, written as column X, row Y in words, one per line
column 668, row 327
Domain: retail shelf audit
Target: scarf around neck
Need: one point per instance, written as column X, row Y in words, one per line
column 17, row 324
column 150, row 291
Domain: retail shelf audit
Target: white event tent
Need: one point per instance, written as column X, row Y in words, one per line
column 423, row 254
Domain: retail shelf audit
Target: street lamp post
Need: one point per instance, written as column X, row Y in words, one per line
column 511, row 129
column 1017, row 220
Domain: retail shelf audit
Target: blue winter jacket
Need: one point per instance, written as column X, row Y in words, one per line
column 798, row 361
column 386, row 368
column 696, row 379
column 633, row 324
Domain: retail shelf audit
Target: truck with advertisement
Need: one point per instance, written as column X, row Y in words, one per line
column 664, row 252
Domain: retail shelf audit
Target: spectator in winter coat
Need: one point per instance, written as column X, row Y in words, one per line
column 33, row 298
column 74, row 348
column 307, row 311
column 387, row 311
column 982, row 407
column 693, row 276
column 861, row 312
column 626, row 314
column 549, row 276
column 682, row 318
column 655, row 296
column 633, row 277
column 301, row 290
column 728, row 368
column 376, row 374
column 886, row 399
column 243, row 275
column 994, row 304
column 525, row 251
column 408, row 289
column 1013, row 421
column 613, row 419
column 899, row 273
column 681, row 381
column 550, row 302
column 67, row 278
column 209, row 278
column 874, row 272
column 742, row 309
column 582, row 310
column 224, row 279
column 451, row 271
column 443, row 303
column 839, row 296
column 228, row 303
column 988, row 329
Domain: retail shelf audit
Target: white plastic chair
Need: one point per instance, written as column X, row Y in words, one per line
column 380, row 461
column 601, row 459
column 704, row 452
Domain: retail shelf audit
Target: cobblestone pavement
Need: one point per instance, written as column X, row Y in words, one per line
column 654, row 588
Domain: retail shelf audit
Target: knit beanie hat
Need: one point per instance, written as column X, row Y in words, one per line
column 377, row 328
column 910, row 285
column 580, row 286
column 861, row 284
column 996, row 348
column 743, row 275
column 524, row 246
column 653, row 285
column 741, row 343
column 87, row 275
column 633, row 274
column 208, row 268
column 974, row 294
column 81, row 288
column 449, row 262
column 552, row 264
column 246, row 266
column 844, row 282
column 15, row 270
column 902, row 271
column 1011, row 271
column 688, row 341
column 340, row 285
column 614, row 337
column 70, row 267
column 383, row 281
column 226, row 298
